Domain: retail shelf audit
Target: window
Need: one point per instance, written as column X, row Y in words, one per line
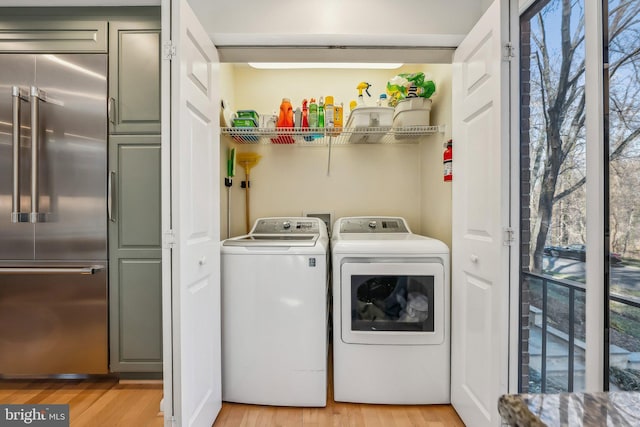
column 553, row 195
column 623, row 104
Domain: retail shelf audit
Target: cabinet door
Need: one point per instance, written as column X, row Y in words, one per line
column 55, row 35
column 134, row 78
column 135, row 279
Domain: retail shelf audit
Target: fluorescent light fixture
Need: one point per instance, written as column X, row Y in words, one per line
column 305, row 65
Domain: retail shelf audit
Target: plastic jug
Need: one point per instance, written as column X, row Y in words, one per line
column 329, row 112
column 285, row 119
column 305, row 114
column 338, row 115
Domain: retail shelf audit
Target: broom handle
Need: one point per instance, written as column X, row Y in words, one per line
column 228, row 212
column 247, row 208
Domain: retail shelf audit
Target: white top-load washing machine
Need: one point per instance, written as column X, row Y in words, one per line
column 275, row 313
column 390, row 313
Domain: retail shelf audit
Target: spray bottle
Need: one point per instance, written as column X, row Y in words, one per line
column 362, row 86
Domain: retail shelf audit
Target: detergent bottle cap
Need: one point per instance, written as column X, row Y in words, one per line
column 329, row 100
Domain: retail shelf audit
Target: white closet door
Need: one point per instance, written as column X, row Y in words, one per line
column 480, row 255
column 194, row 368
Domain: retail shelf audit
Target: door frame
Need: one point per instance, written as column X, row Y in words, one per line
column 167, row 220
column 469, row 250
column 166, row 405
column 596, row 373
column 514, row 202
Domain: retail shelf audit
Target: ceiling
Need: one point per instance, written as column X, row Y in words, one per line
column 355, row 30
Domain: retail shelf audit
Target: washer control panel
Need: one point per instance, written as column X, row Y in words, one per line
column 373, row 225
column 286, row 225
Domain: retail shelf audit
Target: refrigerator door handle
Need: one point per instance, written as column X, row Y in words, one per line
column 36, row 96
column 35, row 152
column 52, row 270
column 111, row 108
column 111, row 196
column 18, row 95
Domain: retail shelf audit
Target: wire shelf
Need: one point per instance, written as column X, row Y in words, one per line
column 324, row 136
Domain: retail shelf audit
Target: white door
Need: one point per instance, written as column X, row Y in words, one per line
column 480, row 203
column 193, row 369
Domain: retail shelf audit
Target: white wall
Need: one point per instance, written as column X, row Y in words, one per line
column 373, row 179
column 435, row 193
column 227, row 78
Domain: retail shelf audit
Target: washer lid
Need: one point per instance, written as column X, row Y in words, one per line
column 272, row 240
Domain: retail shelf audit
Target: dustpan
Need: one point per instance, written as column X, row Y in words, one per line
column 247, row 161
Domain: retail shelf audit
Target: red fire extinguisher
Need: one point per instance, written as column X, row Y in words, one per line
column 448, row 161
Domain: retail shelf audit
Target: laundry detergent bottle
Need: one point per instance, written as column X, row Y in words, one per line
column 285, row 119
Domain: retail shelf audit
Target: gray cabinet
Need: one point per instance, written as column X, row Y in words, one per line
column 28, row 34
column 134, row 77
column 135, row 272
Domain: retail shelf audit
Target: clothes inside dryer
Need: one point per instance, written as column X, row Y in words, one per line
column 392, row 303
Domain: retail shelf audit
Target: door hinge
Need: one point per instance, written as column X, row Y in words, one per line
column 168, row 50
column 169, row 239
column 509, row 236
column 509, row 51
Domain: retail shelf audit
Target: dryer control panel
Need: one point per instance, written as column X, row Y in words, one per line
column 286, row 226
column 374, row 225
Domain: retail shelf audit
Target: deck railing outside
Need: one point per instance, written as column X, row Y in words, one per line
column 557, row 335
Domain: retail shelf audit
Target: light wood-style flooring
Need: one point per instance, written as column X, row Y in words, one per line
column 106, row 403
column 92, row 402
column 338, row 415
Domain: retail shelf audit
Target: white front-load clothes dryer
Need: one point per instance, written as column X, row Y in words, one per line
column 274, row 313
column 390, row 313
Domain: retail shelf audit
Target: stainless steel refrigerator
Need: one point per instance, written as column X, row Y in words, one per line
column 53, row 214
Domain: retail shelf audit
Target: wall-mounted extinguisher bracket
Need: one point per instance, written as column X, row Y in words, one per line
column 447, row 160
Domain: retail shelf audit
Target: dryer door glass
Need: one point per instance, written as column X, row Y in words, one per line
column 392, row 303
